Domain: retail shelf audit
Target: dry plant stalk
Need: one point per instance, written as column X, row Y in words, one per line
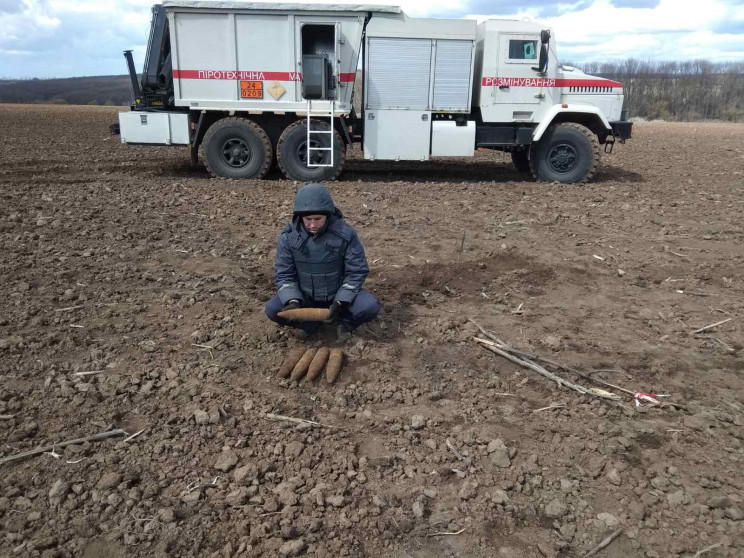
column 711, row 326
column 318, row 363
column 293, row 358
column 89, row 373
column 453, row 449
column 294, row 420
column 305, row 314
column 706, row 550
column 499, row 350
column 529, row 361
column 334, row 365
column 302, row 365
column 47, row 449
column 133, row 436
column 446, row 534
column 273, row 416
column 606, row 542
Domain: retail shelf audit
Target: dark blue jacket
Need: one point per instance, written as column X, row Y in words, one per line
column 325, row 267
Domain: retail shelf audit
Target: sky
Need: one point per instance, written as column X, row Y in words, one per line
column 68, row 38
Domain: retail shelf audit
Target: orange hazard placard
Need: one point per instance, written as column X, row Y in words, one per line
column 251, row 89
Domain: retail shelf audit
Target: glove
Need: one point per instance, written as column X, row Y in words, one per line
column 334, row 312
column 292, row 304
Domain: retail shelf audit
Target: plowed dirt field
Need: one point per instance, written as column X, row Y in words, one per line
column 124, row 262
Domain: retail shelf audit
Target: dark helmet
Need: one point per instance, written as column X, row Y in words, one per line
column 313, row 198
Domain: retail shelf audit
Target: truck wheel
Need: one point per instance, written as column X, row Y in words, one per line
column 521, row 160
column 291, row 153
column 236, row 148
column 566, row 153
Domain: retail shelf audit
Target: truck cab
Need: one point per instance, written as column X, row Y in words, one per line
column 523, row 97
column 509, row 84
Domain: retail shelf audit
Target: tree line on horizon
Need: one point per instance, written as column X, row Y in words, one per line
column 664, row 90
column 95, row 90
column 677, row 90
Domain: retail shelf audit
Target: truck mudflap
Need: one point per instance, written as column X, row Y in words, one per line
column 621, row 129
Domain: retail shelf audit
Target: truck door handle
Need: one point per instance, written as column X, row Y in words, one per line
column 503, row 87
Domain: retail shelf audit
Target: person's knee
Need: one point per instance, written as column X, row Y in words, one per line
column 272, row 309
column 367, row 309
column 374, row 308
column 270, row 313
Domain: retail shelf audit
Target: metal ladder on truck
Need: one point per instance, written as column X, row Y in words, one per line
column 329, row 114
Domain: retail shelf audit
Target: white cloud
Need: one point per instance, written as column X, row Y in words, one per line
column 602, row 18
column 59, row 38
column 713, row 46
column 49, row 38
column 415, row 8
column 621, row 46
column 603, row 31
column 17, row 52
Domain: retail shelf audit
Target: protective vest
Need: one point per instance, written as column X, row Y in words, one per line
column 319, row 261
column 326, row 267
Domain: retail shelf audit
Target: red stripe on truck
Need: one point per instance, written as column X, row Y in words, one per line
column 238, row 75
column 547, row 82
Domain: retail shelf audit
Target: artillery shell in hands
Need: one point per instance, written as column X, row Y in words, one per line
column 305, row 314
column 302, row 365
column 318, row 363
column 334, row 365
column 293, row 358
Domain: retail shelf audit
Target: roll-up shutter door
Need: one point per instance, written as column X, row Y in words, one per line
column 452, row 75
column 398, row 73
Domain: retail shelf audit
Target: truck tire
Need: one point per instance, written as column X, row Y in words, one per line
column 521, row 160
column 291, row 153
column 236, row 148
column 566, row 153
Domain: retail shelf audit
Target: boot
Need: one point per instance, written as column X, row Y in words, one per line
column 343, row 332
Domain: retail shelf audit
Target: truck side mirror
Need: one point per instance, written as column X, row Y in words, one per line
column 543, row 60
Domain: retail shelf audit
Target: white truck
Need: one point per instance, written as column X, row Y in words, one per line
column 248, row 84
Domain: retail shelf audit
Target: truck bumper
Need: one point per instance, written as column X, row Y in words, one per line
column 621, row 129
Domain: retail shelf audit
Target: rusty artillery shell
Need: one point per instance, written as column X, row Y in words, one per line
column 293, row 358
column 334, row 365
column 318, row 363
column 305, row 314
column 301, row 367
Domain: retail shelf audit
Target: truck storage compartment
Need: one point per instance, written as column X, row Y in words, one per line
column 453, row 71
column 167, row 128
column 415, row 67
column 419, row 64
column 248, row 56
column 397, row 135
column 452, row 139
column 398, row 73
column 319, row 56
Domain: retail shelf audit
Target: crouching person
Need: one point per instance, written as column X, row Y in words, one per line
column 320, row 263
